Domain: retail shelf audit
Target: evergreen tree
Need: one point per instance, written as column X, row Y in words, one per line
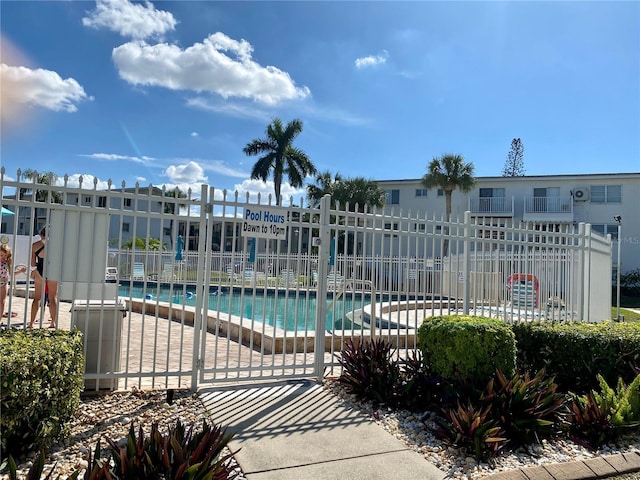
column 514, row 166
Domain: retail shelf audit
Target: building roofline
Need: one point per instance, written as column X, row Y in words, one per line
column 581, row 176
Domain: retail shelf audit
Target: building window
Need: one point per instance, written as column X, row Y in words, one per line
column 166, row 231
column 440, row 192
column 421, row 192
column 606, row 193
column 389, row 226
column 127, row 202
column 87, row 199
column 102, row 202
column 392, row 197
column 420, row 227
column 125, row 227
column 607, row 229
column 491, row 200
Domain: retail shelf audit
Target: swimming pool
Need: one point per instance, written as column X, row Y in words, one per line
column 286, row 311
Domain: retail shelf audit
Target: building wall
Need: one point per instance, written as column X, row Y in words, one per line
column 599, row 214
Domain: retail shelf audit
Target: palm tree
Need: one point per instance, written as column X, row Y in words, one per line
column 170, row 208
column 43, row 178
column 280, row 156
column 449, row 172
column 361, row 192
column 325, row 184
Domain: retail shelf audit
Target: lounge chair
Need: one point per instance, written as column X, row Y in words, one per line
column 137, row 272
column 288, row 278
column 335, row 280
column 111, row 274
column 168, row 273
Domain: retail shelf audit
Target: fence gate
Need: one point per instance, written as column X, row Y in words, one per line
column 257, row 310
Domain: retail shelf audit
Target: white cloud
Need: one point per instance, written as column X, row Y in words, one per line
column 238, row 110
column 195, row 134
column 220, row 168
column 218, row 65
column 264, row 189
column 130, row 20
column 87, row 181
column 111, row 157
column 372, row 60
column 192, row 172
column 39, row 87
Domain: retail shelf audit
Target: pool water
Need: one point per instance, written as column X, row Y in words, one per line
column 286, row 311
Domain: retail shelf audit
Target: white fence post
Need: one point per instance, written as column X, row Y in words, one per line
column 466, row 260
column 321, row 293
column 202, row 284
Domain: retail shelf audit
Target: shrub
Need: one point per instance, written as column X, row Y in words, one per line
column 630, row 283
column 525, row 408
column 603, row 415
column 41, row 375
column 467, row 347
column 473, row 430
column 182, row 454
column 369, row 371
column 419, row 390
column 576, row 352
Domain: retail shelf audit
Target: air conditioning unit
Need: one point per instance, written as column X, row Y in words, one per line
column 580, row 194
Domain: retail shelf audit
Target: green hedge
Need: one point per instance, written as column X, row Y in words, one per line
column 576, row 352
column 41, row 375
column 467, row 347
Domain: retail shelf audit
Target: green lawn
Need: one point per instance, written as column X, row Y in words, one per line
column 629, row 315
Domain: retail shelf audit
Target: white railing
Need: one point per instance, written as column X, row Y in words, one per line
column 220, row 310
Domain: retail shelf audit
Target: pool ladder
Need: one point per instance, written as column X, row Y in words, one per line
column 349, row 283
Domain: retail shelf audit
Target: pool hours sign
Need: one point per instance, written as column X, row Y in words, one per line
column 265, row 222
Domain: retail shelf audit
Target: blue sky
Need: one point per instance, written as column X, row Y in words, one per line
column 170, row 92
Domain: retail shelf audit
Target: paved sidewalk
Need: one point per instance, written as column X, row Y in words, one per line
column 299, row 431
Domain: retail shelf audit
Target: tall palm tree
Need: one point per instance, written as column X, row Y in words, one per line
column 170, row 208
column 449, row 172
column 43, row 178
column 325, row 184
column 280, row 156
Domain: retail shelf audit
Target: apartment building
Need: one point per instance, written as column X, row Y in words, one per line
column 546, row 200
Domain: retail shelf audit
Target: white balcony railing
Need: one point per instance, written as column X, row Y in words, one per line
column 496, row 206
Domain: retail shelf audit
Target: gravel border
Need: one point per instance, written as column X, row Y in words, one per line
column 111, row 414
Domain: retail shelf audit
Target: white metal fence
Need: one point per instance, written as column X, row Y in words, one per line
column 189, row 299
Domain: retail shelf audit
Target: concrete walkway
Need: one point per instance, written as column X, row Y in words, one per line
column 299, row 431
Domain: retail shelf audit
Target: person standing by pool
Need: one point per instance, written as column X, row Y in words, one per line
column 37, row 274
column 5, row 272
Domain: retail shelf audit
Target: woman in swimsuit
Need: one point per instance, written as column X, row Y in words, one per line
column 5, row 269
column 37, row 272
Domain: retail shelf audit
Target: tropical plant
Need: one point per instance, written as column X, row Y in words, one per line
column 449, row 172
column 369, row 371
column 40, row 195
column 182, row 454
column 325, row 185
column 280, row 157
column 472, row 429
column 357, row 193
column 142, row 244
column 590, row 420
column 419, row 389
column 526, row 408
